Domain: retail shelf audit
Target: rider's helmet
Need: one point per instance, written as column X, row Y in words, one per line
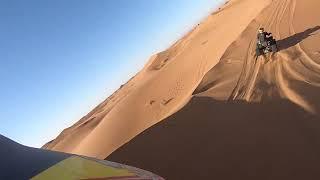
column 261, row 30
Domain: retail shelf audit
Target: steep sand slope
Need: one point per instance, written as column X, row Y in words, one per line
column 293, row 73
column 249, row 118
column 164, row 85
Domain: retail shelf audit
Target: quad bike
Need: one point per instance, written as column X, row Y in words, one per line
column 270, row 45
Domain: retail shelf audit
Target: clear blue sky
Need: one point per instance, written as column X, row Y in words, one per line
column 60, row 58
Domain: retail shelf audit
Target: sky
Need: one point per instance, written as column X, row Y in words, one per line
column 59, row 59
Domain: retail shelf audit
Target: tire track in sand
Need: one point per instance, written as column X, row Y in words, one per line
column 284, row 66
column 252, row 64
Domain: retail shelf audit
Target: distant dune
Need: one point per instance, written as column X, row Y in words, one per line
column 214, row 108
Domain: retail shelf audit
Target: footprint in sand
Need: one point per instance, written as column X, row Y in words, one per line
column 204, row 42
column 151, row 102
column 166, row 101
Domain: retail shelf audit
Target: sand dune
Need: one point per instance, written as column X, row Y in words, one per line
column 162, row 87
column 249, row 118
column 213, row 106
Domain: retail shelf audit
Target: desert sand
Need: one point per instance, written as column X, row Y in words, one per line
column 207, row 107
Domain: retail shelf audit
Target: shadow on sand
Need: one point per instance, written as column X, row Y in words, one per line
column 296, row 38
column 210, row 139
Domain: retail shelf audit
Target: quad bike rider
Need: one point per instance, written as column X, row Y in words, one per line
column 265, row 43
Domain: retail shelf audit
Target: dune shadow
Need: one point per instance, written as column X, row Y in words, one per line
column 296, row 38
column 210, row 139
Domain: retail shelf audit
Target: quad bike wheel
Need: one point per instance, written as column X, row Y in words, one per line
column 274, row 48
column 258, row 52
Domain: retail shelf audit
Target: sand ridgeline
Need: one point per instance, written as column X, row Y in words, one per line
column 207, row 106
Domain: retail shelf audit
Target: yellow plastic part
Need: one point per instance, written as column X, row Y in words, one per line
column 76, row 167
